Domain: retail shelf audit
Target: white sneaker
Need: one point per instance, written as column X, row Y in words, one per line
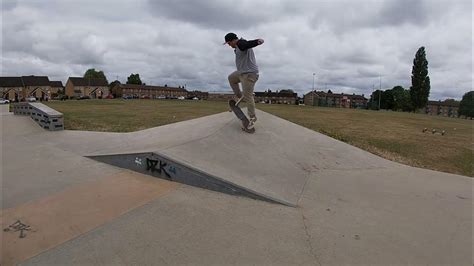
column 252, row 122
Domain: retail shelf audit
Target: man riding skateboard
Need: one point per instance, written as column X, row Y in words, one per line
column 246, row 73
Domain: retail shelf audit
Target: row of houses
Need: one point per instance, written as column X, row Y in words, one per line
column 147, row 91
column 339, row 100
column 20, row 88
column 41, row 88
column 78, row 87
column 259, row 96
column 449, row 108
column 154, row 92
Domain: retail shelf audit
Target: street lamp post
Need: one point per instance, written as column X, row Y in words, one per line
column 314, row 74
column 380, row 91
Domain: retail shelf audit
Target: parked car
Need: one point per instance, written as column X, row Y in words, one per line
column 181, row 98
column 84, row 97
column 31, row 99
column 161, row 97
column 196, row 98
column 4, row 101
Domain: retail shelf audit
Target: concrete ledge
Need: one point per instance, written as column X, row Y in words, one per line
column 45, row 116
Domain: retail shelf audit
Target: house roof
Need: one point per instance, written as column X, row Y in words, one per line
column 274, row 94
column 444, row 103
column 24, row 81
column 78, row 81
column 35, row 80
column 338, row 95
column 11, row 82
column 56, row 84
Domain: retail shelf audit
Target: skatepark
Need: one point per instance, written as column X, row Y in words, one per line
column 203, row 192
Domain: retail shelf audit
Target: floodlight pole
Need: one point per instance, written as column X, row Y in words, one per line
column 313, row 88
column 380, row 91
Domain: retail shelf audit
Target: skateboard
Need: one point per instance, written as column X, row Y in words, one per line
column 240, row 115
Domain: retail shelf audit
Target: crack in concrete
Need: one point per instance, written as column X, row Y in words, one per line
column 308, row 239
column 306, row 230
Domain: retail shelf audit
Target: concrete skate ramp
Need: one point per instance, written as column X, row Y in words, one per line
column 272, row 164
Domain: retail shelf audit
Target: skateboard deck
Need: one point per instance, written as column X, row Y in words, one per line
column 240, row 115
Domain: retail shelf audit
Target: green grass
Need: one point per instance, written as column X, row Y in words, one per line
column 393, row 135
column 131, row 115
column 396, row 136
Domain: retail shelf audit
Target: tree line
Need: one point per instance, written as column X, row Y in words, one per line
column 415, row 98
column 396, row 99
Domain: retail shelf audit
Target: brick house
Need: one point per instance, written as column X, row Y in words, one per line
column 220, row 96
column 94, row 88
column 448, row 108
column 56, row 87
column 20, row 88
column 260, row 96
column 329, row 99
column 37, row 86
column 11, row 88
column 146, row 91
column 276, row 97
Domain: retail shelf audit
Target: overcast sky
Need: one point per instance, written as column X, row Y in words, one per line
column 349, row 44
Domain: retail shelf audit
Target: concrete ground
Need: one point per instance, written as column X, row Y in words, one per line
column 351, row 207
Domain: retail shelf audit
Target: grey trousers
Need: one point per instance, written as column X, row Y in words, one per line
column 248, row 81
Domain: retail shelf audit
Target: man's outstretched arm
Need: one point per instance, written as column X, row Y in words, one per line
column 244, row 44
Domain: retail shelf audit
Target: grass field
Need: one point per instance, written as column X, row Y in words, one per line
column 393, row 135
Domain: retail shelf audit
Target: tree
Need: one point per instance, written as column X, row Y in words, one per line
column 95, row 74
column 401, row 99
column 115, row 92
column 466, row 106
column 287, row 91
column 420, row 81
column 113, row 83
column 134, row 79
column 386, row 102
column 374, row 100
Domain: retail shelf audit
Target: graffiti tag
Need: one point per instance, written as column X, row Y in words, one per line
column 157, row 166
column 18, row 226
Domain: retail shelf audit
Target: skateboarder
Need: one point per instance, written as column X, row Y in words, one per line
column 247, row 72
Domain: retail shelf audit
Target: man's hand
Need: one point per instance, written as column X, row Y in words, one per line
column 260, row 41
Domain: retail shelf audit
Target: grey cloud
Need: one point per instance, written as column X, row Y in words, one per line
column 9, row 4
column 368, row 73
column 344, row 16
column 229, row 15
column 398, row 12
column 348, row 44
column 209, row 13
